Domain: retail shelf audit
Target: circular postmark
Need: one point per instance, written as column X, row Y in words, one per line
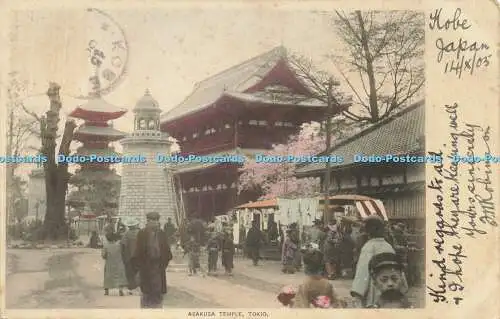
column 107, row 54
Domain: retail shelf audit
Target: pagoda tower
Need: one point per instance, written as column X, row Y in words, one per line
column 144, row 186
column 97, row 185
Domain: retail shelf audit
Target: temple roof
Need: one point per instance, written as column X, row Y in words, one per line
column 98, row 109
column 85, row 131
column 83, row 151
column 276, row 99
column 193, row 166
column 147, row 103
column 399, row 134
column 237, row 79
column 88, row 175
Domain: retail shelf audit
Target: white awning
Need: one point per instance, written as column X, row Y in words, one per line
column 371, row 207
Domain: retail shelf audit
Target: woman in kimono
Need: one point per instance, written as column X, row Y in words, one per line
column 363, row 288
column 213, row 252
column 315, row 291
column 288, row 253
column 114, row 269
column 94, row 241
column 227, row 247
column 128, row 244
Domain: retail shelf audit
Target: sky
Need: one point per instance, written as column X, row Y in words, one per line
column 169, row 50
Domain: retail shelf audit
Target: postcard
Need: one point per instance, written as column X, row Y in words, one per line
column 249, row 159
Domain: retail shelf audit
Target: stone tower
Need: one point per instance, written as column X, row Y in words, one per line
column 144, row 186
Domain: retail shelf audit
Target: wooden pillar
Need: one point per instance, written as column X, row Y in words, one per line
column 235, row 133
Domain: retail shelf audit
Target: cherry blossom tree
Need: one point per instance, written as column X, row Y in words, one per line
column 277, row 179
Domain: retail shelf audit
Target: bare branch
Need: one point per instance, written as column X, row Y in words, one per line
column 382, row 46
column 351, row 86
column 33, row 114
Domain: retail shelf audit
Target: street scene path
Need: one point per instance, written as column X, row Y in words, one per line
column 72, row 279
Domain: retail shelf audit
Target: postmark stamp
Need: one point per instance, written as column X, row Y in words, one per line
column 108, row 53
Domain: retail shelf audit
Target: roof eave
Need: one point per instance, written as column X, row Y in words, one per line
column 320, row 171
column 242, row 99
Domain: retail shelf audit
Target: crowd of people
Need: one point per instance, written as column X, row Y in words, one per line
column 136, row 258
column 371, row 252
column 379, row 277
column 341, row 241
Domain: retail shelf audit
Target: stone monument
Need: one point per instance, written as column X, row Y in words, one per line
column 36, row 194
column 144, row 186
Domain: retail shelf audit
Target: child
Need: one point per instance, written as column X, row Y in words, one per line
column 286, row 296
column 387, row 274
column 315, row 285
column 114, row 269
column 193, row 251
column 227, row 247
column 213, row 253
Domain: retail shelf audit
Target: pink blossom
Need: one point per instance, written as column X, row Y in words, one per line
column 277, row 179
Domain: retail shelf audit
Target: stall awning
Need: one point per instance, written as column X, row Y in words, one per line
column 266, row 203
column 371, row 207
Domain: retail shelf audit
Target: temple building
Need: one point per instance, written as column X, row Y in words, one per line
column 243, row 110
column 400, row 186
column 144, row 185
column 97, row 185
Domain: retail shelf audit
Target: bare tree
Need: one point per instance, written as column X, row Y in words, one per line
column 385, row 51
column 19, row 131
column 56, row 174
column 325, row 88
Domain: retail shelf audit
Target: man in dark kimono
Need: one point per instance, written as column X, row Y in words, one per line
column 196, row 228
column 111, row 227
column 254, row 240
column 128, row 244
column 151, row 257
column 170, row 230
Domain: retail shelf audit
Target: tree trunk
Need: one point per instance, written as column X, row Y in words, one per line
column 374, row 111
column 56, row 174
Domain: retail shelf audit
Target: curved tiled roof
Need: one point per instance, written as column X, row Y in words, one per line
column 236, row 79
column 96, row 130
column 398, row 135
column 98, row 108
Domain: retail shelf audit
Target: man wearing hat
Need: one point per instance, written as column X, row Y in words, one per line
column 387, row 273
column 151, row 258
column 363, row 287
column 128, row 244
